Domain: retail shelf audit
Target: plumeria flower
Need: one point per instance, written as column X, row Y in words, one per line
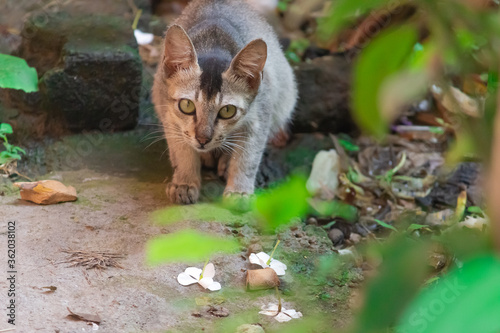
column 143, row 38
column 282, row 316
column 262, row 259
column 194, row 275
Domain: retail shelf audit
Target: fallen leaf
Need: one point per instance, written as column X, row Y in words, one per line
column 84, row 317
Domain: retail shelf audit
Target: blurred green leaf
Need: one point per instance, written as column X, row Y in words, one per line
column 385, row 225
column 188, row 246
column 334, row 208
column 466, row 300
column 343, row 13
column 280, row 205
column 6, row 128
column 16, row 74
column 399, row 278
column 198, row 212
column 383, row 57
column 415, row 226
column 348, row 145
column 475, row 210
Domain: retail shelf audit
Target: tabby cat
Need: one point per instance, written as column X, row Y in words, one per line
column 222, row 88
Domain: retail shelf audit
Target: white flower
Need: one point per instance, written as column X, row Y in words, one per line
column 262, row 258
column 143, row 37
column 285, row 315
column 192, row 275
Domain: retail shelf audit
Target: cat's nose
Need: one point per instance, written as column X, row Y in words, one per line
column 203, row 140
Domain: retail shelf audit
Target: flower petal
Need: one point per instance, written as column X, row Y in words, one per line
column 186, row 279
column 208, row 283
column 278, row 267
column 209, row 271
column 255, row 260
column 194, row 272
column 281, row 317
column 269, row 309
column 292, row 313
column 264, row 258
column 143, row 37
column 214, row 286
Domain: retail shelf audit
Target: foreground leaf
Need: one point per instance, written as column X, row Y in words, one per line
column 188, row 246
column 16, row 74
column 279, row 206
column 399, row 278
column 466, row 300
column 383, row 57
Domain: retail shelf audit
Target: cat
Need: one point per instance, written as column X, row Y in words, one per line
column 223, row 87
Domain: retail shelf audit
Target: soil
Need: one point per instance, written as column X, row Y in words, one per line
column 119, row 185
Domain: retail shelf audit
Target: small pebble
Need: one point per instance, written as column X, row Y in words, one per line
column 336, row 236
column 254, row 248
column 312, row 221
column 355, row 238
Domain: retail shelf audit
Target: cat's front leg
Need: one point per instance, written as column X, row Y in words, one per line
column 243, row 166
column 186, row 180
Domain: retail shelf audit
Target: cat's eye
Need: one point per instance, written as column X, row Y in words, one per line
column 187, row 106
column 227, row 112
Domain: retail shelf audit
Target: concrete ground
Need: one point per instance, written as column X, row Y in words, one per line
column 119, row 184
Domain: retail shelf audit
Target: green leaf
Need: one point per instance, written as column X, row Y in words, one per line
column 399, row 278
column 334, row 208
column 383, row 57
column 475, row 210
column 466, row 300
column 18, row 150
column 16, row 74
column 344, row 12
column 415, row 226
column 385, row 225
column 199, row 212
column 348, row 145
column 188, row 246
column 5, row 129
column 280, row 205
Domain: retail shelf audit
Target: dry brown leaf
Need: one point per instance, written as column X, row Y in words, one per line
column 84, row 317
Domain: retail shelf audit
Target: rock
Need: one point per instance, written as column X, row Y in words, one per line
column 323, row 180
column 355, row 238
column 46, row 192
column 336, row 236
column 89, row 68
column 258, row 279
column 254, row 248
column 250, row 328
column 323, row 103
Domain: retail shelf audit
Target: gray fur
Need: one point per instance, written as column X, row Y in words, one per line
column 219, row 30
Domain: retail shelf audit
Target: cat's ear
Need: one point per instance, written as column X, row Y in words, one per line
column 179, row 51
column 249, row 63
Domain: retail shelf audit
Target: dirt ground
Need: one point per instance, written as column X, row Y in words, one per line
column 119, row 184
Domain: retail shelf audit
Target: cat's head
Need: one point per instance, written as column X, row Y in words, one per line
column 208, row 95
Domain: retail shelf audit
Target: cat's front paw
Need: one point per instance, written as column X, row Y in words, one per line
column 182, row 194
column 238, row 201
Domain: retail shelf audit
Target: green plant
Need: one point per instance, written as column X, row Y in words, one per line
column 16, row 74
column 11, row 152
